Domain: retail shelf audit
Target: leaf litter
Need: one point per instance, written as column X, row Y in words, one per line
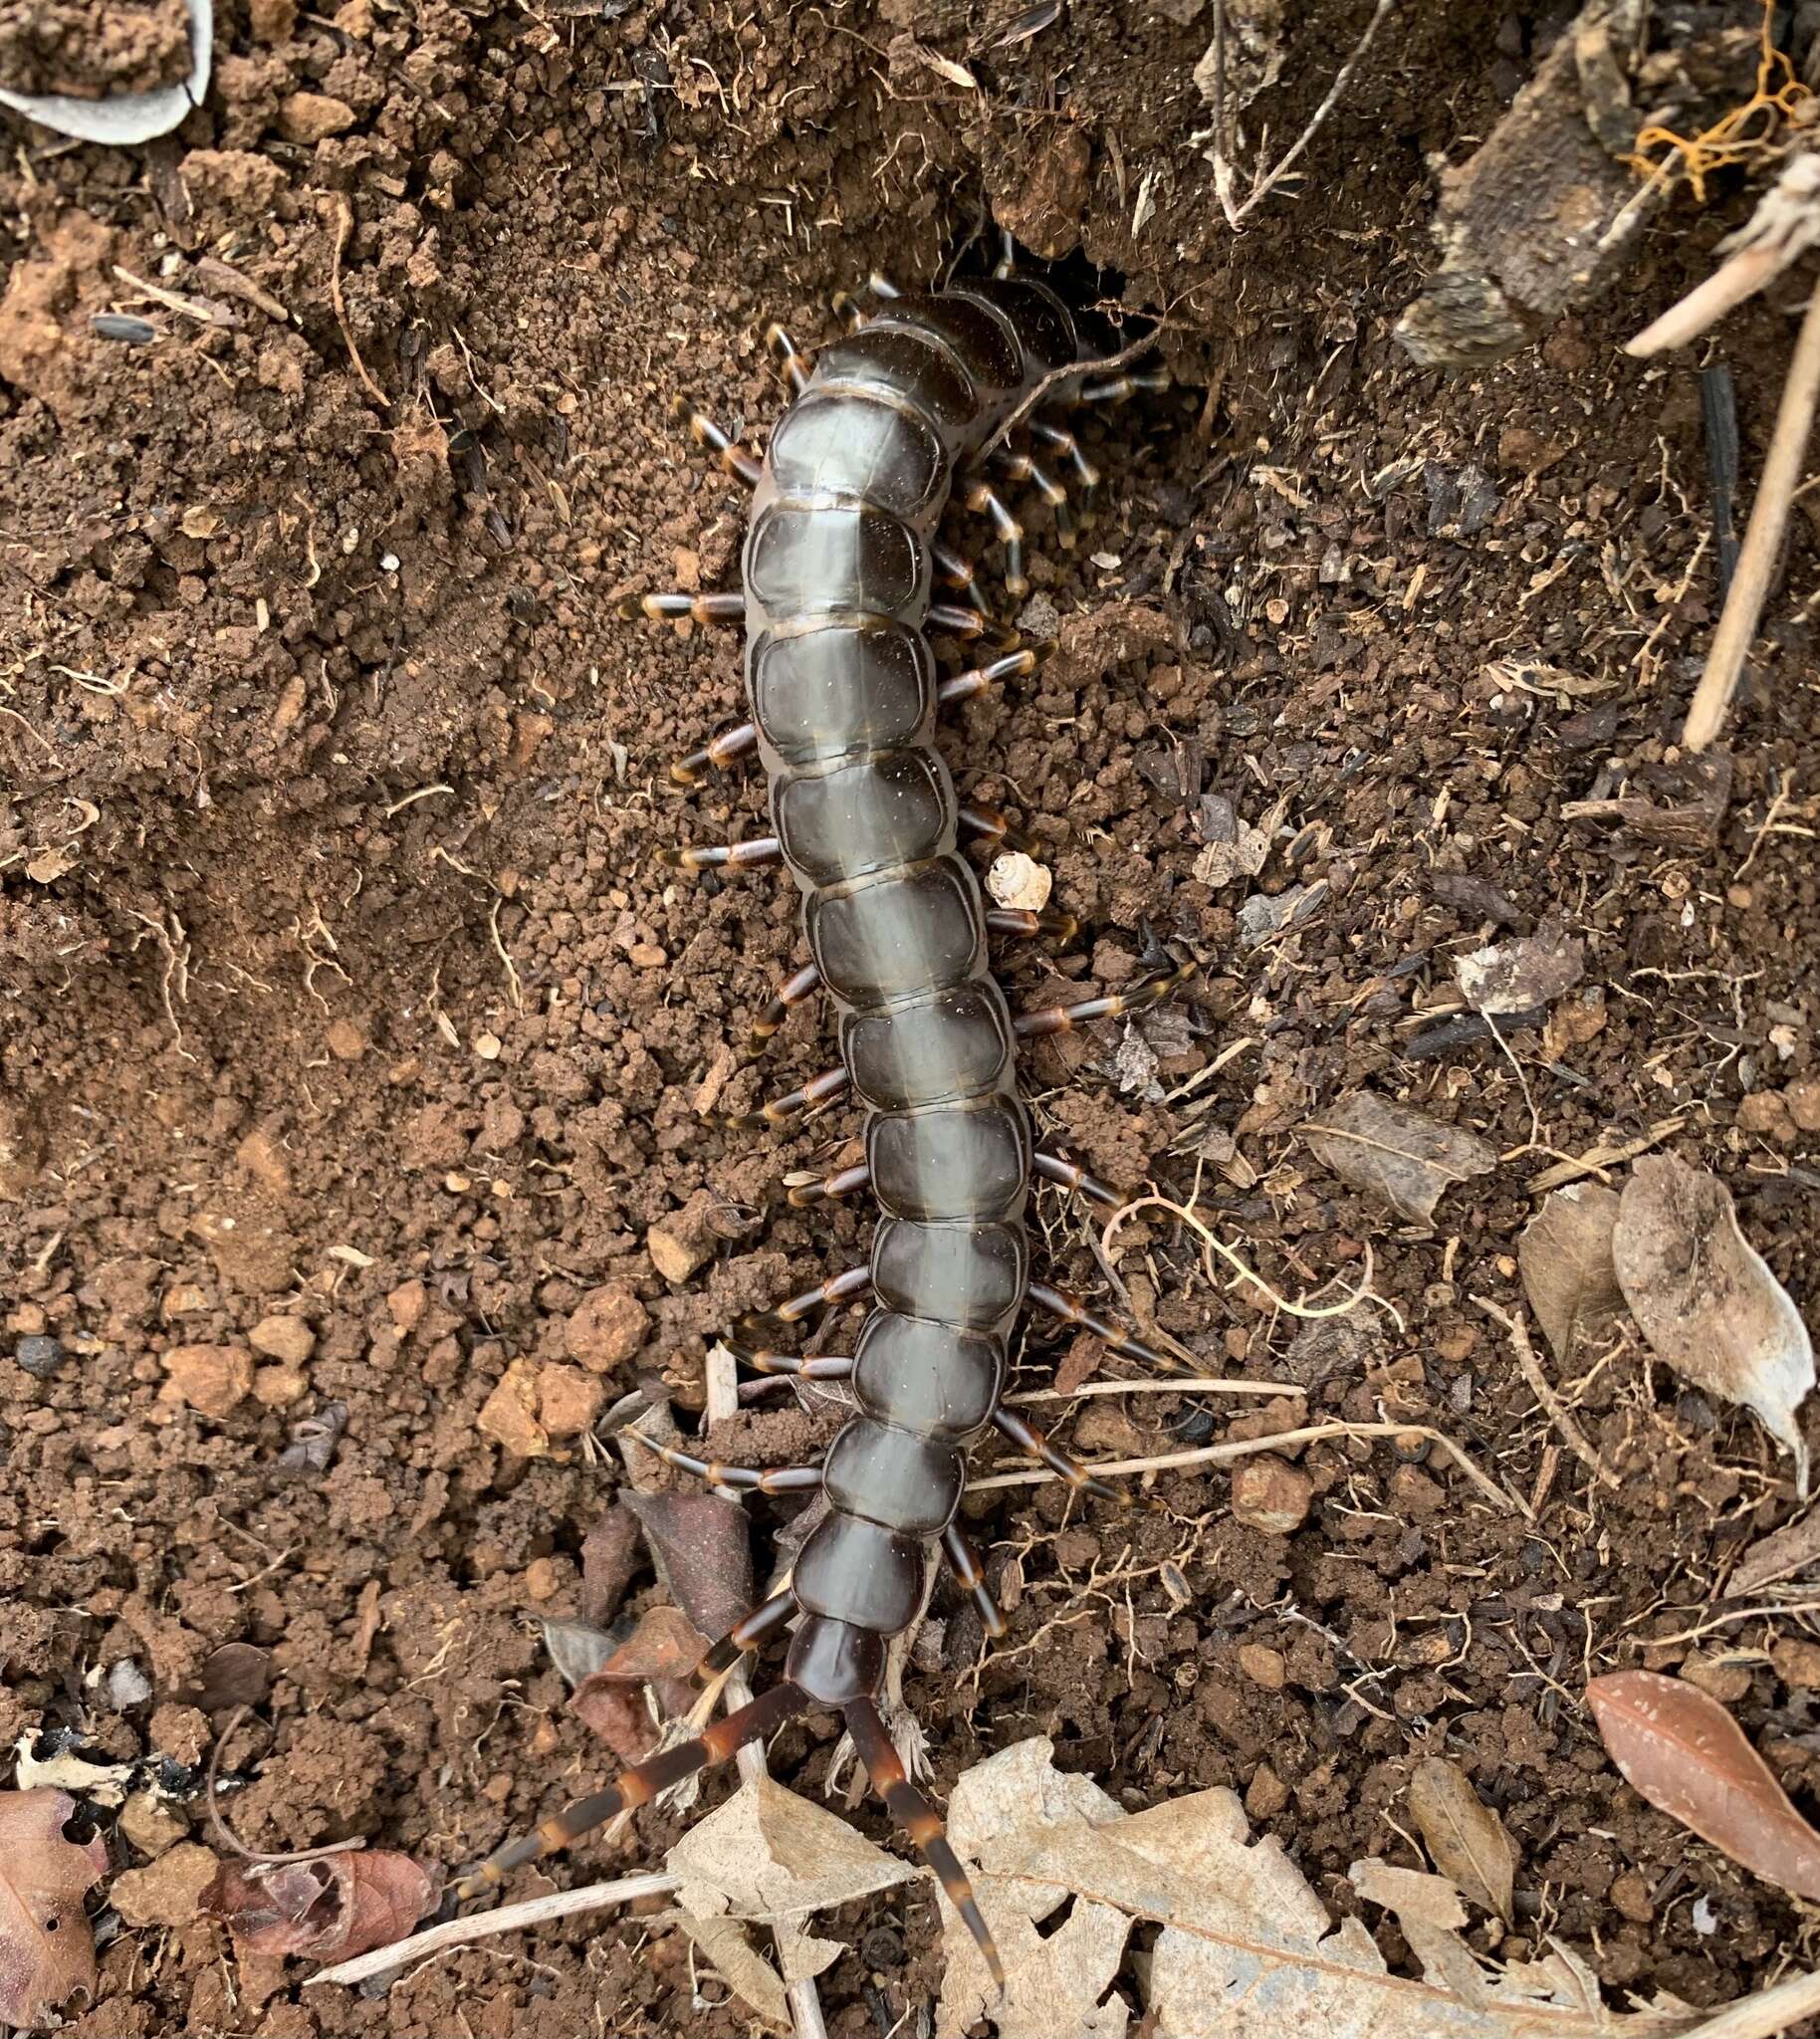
column 1569, row 1275
column 1396, row 1155
column 47, row 1951
column 1706, row 1301
column 329, row 1908
column 1465, row 1839
column 1676, row 1746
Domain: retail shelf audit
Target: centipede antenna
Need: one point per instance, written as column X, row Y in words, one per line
column 920, row 1821
column 636, row 1786
column 750, row 1479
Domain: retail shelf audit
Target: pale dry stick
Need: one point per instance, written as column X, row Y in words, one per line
column 1761, row 2016
column 459, row 1932
column 1174, row 1385
column 1247, row 1448
column 344, row 226
column 1264, row 183
column 1737, row 623
column 1056, row 376
column 1572, row 1433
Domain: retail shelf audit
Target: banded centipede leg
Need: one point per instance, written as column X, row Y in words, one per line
column 953, row 571
column 707, row 609
column 712, row 1672
column 729, row 745
column 1020, row 467
column 1008, row 532
column 1056, row 1167
column 987, row 824
column 964, row 686
column 920, row 1821
column 792, row 991
column 794, row 364
column 950, row 619
column 1070, row 1309
column 1067, row 447
column 636, row 1786
column 1019, row 920
column 1028, row 1438
column 967, row 1570
column 732, row 458
column 749, row 855
column 752, row 1478
column 827, row 1366
column 1060, row 1018
column 779, row 1111
column 1122, row 388
column 831, row 1188
column 758, row 1326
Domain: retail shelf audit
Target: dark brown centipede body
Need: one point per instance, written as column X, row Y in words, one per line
column 840, row 604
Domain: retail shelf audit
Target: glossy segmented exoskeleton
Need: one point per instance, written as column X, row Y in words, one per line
column 841, row 567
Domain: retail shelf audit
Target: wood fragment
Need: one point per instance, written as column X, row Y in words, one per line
column 1756, row 563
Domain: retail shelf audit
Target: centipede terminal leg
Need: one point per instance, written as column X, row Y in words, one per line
column 966, row 1570
column 751, row 1478
column 794, row 1104
column 732, row 458
column 636, row 1786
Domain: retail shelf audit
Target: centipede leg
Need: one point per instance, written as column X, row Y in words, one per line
column 1010, row 533
column 1071, row 1310
column 792, row 991
column 1122, row 388
column 795, row 365
column 831, row 1188
column 826, row 1366
column 1020, row 467
column 918, row 1818
column 729, row 745
column 987, row 824
column 779, row 1111
column 1060, row 1018
column 752, row 1478
column 745, row 1635
column 950, row 619
column 749, row 855
column 1056, row 1167
column 951, row 570
column 757, row 1327
column 734, row 459
column 1028, row 1438
column 707, row 609
column 1007, row 264
column 636, row 1786
column 1019, row 920
column 967, row 1570
column 964, row 686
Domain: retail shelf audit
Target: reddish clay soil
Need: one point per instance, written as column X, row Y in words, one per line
column 354, row 1038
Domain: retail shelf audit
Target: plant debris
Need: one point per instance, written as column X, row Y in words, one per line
column 701, row 1545
column 329, row 1908
column 1395, row 1154
column 47, row 1952
column 1523, row 973
column 1706, row 1301
column 1467, row 1840
column 1678, row 1747
column 1569, row 1276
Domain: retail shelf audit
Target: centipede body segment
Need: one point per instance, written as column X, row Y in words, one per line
column 841, row 573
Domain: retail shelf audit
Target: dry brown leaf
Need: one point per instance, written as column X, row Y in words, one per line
column 1465, row 1839
column 1706, row 1303
column 47, row 1952
column 701, row 1545
column 1565, row 1255
column 331, row 1909
column 1522, row 974
column 1783, row 1553
column 1246, row 1950
column 768, row 1855
column 1395, row 1154
column 1677, row 1748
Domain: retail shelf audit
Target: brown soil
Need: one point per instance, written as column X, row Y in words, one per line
column 341, row 986
column 92, row 50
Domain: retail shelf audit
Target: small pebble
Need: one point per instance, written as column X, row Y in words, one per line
column 41, row 1357
column 1270, row 1495
column 286, row 1338
column 1264, row 1665
column 608, row 1325
column 167, row 1892
column 128, row 1684
column 213, row 1378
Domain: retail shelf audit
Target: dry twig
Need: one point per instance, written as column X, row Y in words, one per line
column 1572, row 1433
column 344, row 226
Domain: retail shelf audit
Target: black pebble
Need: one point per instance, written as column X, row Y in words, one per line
column 41, row 1357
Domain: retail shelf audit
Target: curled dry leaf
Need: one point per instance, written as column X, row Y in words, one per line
column 47, row 1952
column 1465, row 1838
column 331, row 1909
column 1395, row 1154
column 1678, row 1747
column 701, row 1546
column 1565, row 1255
column 1783, row 1555
column 1706, row 1303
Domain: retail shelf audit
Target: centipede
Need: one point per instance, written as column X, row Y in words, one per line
column 843, row 602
